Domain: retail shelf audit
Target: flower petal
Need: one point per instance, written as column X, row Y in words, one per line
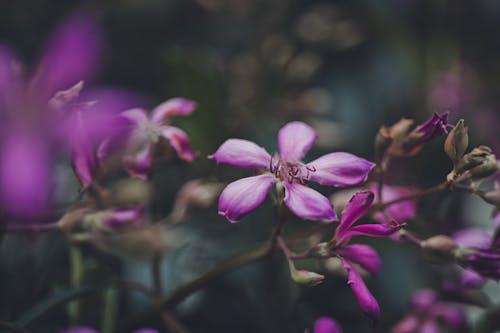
column 139, row 163
column 244, row 195
column 136, row 117
column 471, row 279
column 179, row 140
column 353, row 210
column 340, row 169
column 120, row 218
column 82, row 160
column 294, row 140
column 372, row 230
column 172, row 107
column 473, row 237
column 308, row 203
column 326, row 325
column 408, row 324
column 400, row 211
column 70, row 55
column 25, row 175
column 366, row 301
column 243, row 154
column 363, row 255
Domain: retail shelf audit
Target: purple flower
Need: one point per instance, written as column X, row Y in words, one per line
column 400, row 211
column 363, row 255
column 479, row 254
column 428, row 313
column 146, row 130
column 432, row 128
column 30, row 128
column 326, row 325
column 287, row 170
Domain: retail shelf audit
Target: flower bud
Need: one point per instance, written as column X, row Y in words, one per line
column 307, row 277
column 456, row 142
column 439, row 249
column 480, row 163
column 383, row 140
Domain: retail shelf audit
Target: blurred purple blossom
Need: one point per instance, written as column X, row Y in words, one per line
column 400, row 211
column 428, row 313
column 42, row 115
column 144, row 131
column 287, row 169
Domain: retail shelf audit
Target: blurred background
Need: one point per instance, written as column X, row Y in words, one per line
column 344, row 67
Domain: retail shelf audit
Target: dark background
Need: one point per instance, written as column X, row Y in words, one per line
column 345, row 67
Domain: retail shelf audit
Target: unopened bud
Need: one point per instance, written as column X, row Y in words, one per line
column 307, row 277
column 439, row 249
column 480, row 163
column 382, row 141
column 456, row 142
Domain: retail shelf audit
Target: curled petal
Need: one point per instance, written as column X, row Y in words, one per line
column 353, row 210
column 243, row 154
column 363, row 255
column 366, row 301
column 372, row 230
column 294, row 140
column 340, row 169
column 326, row 325
column 172, row 107
column 138, row 164
column 244, row 195
column 308, row 203
column 179, row 140
column 136, row 117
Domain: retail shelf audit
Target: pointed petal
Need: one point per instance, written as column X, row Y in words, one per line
column 308, row 203
column 294, row 140
column 138, row 164
column 372, row 230
column 179, row 140
column 70, row 55
column 363, row 255
column 243, row 154
column 136, row 117
column 326, row 325
column 366, row 301
column 340, row 169
column 353, row 210
column 172, row 107
column 244, row 195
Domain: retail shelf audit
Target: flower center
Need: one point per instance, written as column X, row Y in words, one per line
column 152, row 131
column 290, row 171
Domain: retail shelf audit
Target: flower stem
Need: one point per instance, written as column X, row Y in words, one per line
column 223, row 267
column 110, row 307
column 76, row 276
column 430, row 190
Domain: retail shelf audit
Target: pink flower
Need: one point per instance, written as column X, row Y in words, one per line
column 287, row 169
column 326, row 325
column 400, row 211
column 146, row 130
column 428, row 313
column 363, row 255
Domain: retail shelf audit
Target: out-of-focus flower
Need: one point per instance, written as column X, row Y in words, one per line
column 479, row 253
column 326, row 325
column 399, row 141
column 360, row 254
column 428, row 313
column 146, row 130
column 400, row 211
column 287, row 171
column 39, row 117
